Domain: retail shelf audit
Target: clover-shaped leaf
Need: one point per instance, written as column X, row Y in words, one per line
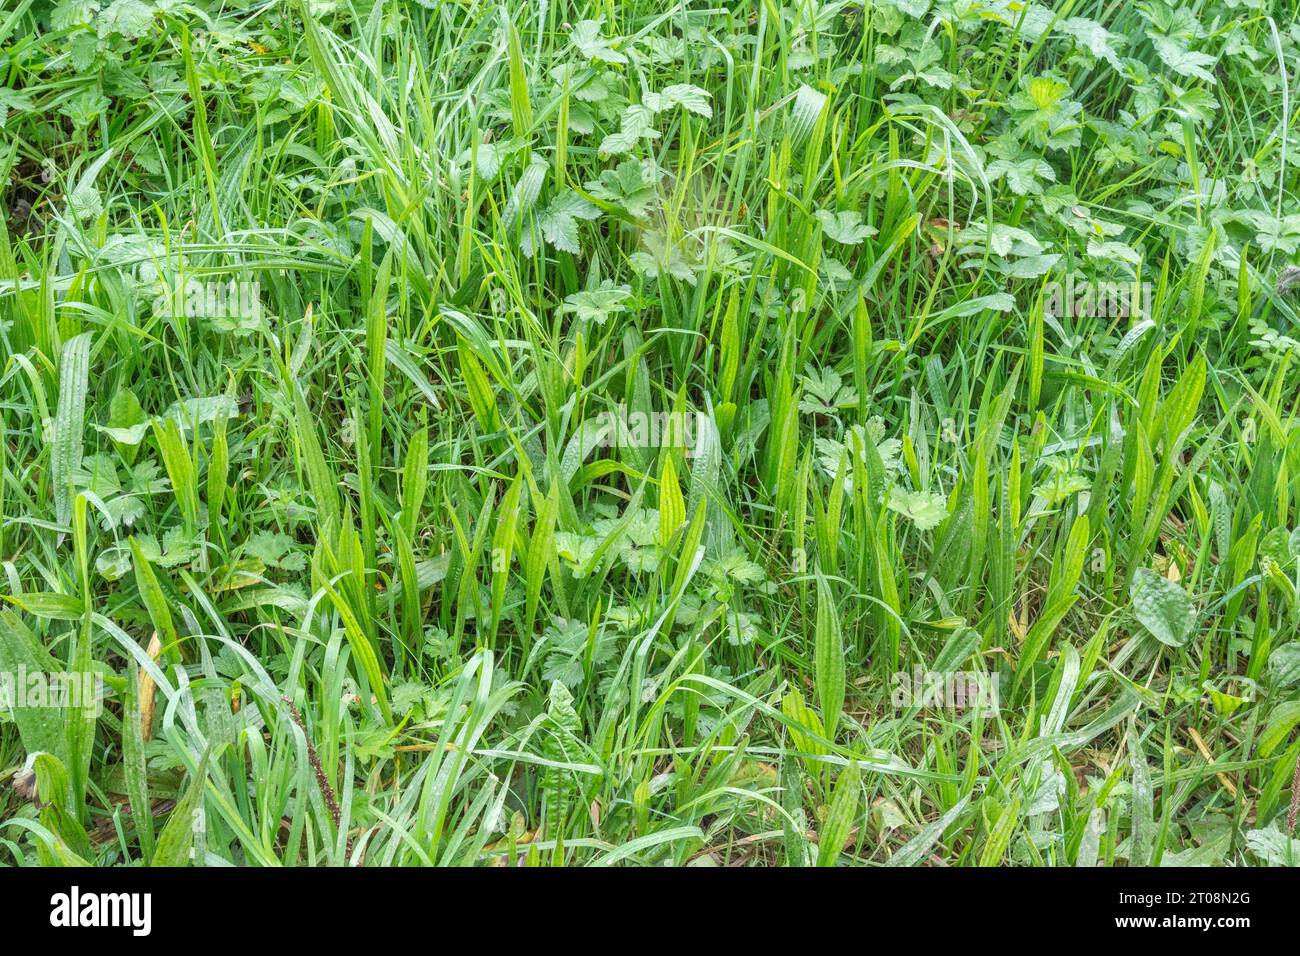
column 845, row 227
column 558, row 222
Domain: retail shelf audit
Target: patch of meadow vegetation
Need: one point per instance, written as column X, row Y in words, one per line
column 553, row 432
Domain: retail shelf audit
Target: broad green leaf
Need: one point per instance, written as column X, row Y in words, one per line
column 1162, row 607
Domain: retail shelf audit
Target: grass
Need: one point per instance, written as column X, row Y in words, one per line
column 618, row 412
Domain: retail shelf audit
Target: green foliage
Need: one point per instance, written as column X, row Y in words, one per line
column 602, row 424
